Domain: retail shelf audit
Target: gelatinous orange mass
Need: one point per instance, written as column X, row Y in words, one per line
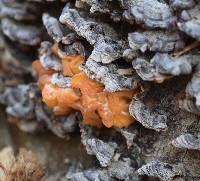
column 119, row 106
column 86, row 95
column 59, row 111
column 71, row 64
column 91, row 118
column 54, row 49
column 114, row 108
column 111, row 107
column 64, row 98
column 89, row 98
column 49, row 95
column 67, row 97
column 43, row 80
column 89, row 89
column 104, row 110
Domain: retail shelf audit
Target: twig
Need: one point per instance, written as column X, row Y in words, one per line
column 188, row 48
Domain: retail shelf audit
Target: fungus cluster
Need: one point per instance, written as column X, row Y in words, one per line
column 79, row 92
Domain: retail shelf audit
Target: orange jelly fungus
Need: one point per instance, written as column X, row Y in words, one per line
column 71, row 64
column 112, row 108
column 85, row 95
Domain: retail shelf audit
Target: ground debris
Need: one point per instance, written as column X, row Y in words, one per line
column 23, row 167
